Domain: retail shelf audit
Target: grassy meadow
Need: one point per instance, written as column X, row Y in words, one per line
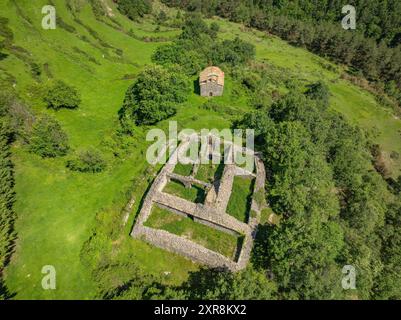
column 239, row 203
column 194, row 194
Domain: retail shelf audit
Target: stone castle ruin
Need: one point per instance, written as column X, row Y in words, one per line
column 212, row 212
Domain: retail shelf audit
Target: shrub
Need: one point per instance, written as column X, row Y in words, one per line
column 161, row 17
column 251, row 81
column 89, row 160
column 61, row 95
column 191, row 61
column 134, row 9
column 214, row 28
column 48, row 139
column 320, row 92
column 210, row 105
column 234, row 52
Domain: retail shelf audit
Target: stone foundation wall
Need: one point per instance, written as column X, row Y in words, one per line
column 184, row 247
column 217, row 227
column 210, row 87
column 188, row 180
column 225, row 187
column 200, row 211
column 212, row 213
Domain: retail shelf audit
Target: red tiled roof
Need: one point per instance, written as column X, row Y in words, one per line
column 212, row 73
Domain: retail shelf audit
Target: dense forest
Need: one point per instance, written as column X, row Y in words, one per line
column 335, row 210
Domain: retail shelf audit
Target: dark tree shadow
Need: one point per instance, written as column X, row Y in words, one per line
column 200, row 194
column 200, row 282
column 259, row 257
column 238, row 249
column 394, row 185
column 3, row 55
column 219, row 171
column 196, row 86
column 249, row 200
column 4, row 293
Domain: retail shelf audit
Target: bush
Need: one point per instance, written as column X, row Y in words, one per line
column 234, row 52
column 210, row 105
column 191, row 61
column 214, row 28
column 134, row 9
column 61, row 95
column 161, row 17
column 48, row 139
column 89, row 160
column 320, row 92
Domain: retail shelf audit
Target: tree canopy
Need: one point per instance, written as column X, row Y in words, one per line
column 333, row 207
column 198, row 47
column 134, row 9
column 153, row 97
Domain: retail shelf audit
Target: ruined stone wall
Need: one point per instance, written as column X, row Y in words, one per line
column 225, row 187
column 256, row 207
column 212, row 213
column 198, row 210
column 188, row 180
column 211, row 87
column 217, row 227
column 186, row 248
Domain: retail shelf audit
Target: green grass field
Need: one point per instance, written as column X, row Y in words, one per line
column 210, row 238
column 194, row 194
column 240, row 198
column 56, row 208
column 209, row 172
column 183, row 169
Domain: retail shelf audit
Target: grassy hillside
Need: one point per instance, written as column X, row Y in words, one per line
column 56, row 208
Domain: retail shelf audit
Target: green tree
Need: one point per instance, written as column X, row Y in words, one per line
column 191, row 61
column 134, row 9
column 302, row 256
column 234, row 52
column 194, row 28
column 389, row 279
column 259, row 121
column 153, row 97
column 216, row 284
column 198, row 46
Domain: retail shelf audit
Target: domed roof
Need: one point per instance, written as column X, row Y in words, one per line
column 210, row 73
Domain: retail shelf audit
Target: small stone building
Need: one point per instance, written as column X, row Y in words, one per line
column 211, row 82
